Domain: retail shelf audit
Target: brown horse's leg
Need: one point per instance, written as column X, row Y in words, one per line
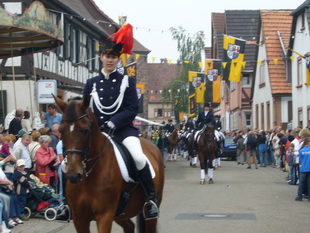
column 127, row 225
column 104, row 224
column 150, row 226
column 82, row 224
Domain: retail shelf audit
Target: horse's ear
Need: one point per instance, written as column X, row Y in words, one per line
column 61, row 104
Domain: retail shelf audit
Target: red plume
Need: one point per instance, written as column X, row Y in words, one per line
column 124, row 36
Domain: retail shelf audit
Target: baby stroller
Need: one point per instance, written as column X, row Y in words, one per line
column 42, row 201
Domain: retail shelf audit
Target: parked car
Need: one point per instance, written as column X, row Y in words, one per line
column 229, row 150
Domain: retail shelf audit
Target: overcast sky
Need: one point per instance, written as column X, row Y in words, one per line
column 152, row 19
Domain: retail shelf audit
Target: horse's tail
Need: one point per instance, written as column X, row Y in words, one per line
column 140, row 223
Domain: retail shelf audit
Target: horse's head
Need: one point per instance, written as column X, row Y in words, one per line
column 75, row 129
column 209, row 131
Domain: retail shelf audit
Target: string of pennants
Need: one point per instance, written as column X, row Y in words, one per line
column 224, row 64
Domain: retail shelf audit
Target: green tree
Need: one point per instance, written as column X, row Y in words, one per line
column 189, row 47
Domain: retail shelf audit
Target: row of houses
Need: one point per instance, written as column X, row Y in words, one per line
column 273, row 90
column 85, row 31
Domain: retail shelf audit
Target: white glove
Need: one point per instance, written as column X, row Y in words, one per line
column 111, row 125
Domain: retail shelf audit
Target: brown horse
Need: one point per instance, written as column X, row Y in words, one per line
column 96, row 184
column 173, row 142
column 207, row 148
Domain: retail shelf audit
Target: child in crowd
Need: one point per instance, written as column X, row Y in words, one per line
column 21, row 184
column 291, row 163
column 5, row 149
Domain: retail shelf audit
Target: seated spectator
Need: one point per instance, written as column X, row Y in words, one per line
column 7, row 190
column 21, row 185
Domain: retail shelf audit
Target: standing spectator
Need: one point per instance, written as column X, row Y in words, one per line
column 262, row 148
column 16, row 123
column 276, row 150
column 51, row 116
column 54, row 134
column 304, row 176
column 291, row 157
column 251, row 149
column 282, row 144
column 45, row 155
column 33, row 147
column 26, row 124
column 22, row 152
column 240, row 149
column 21, row 185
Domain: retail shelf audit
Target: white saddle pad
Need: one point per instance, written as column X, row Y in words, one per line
column 122, row 165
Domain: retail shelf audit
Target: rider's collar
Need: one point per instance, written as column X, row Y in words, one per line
column 107, row 76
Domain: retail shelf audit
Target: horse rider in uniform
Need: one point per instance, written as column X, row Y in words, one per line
column 169, row 127
column 204, row 117
column 113, row 98
column 219, row 138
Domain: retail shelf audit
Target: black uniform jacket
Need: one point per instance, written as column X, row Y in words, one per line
column 204, row 120
column 169, row 128
column 108, row 92
column 217, row 125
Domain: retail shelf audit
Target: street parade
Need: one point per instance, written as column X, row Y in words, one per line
column 97, row 134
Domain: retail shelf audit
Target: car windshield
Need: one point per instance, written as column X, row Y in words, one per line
column 229, row 140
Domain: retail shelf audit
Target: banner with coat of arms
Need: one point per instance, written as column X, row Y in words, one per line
column 213, row 74
column 233, row 58
column 196, row 81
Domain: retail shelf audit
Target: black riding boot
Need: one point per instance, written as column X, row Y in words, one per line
column 150, row 209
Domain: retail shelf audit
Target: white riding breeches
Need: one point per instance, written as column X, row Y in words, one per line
column 133, row 145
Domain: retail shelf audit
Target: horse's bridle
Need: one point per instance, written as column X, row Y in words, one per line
column 85, row 154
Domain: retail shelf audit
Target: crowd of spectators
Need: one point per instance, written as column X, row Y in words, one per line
column 26, row 153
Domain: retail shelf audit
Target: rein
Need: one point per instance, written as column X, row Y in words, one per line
column 85, row 154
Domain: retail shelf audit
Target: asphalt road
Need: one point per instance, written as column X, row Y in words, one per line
column 240, row 201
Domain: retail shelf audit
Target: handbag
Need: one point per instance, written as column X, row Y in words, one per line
column 51, row 164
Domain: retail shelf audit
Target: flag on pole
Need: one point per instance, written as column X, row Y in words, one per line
column 196, row 80
column 307, row 71
column 233, row 55
column 213, row 74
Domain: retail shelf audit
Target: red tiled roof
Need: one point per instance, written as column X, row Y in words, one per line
column 272, row 22
column 159, row 76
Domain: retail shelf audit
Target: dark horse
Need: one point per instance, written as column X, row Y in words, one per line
column 173, row 142
column 96, row 183
column 207, row 148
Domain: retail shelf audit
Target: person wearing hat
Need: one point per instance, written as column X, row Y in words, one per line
column 169, row 127
column 19, row 136
column 21, row 185
column 204, row 117
column 113, row 98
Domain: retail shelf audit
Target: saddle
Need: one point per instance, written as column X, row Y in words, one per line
column 129, row 172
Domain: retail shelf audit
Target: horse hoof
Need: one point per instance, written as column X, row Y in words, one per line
column 211, row 181
column 202, row 182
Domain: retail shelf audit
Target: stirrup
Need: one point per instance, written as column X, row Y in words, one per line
column 150, row 210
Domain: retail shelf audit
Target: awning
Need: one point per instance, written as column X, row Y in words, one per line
column 32, row 32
